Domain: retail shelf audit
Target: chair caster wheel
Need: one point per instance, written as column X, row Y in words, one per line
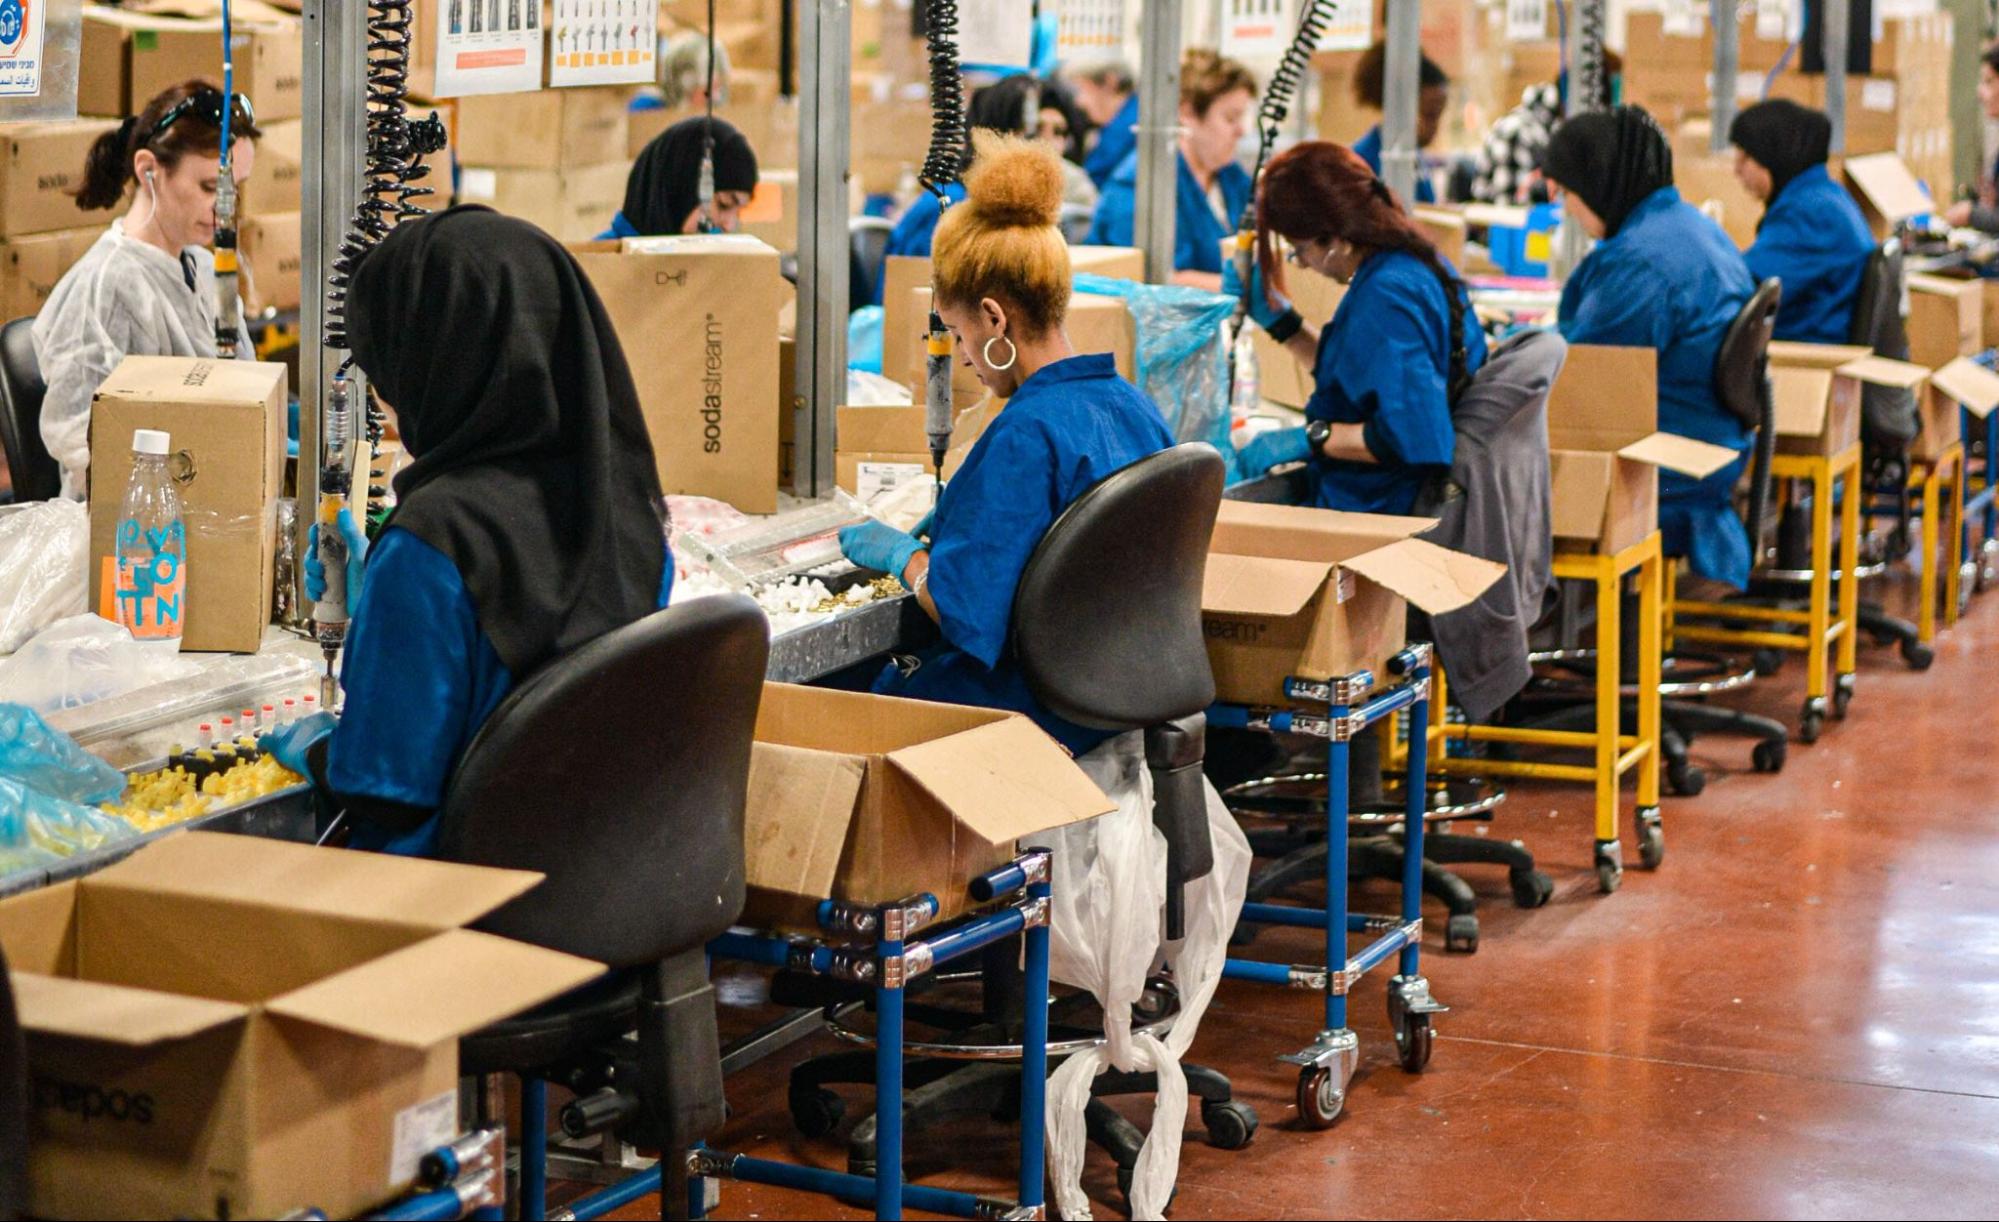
column 1531, row 888
column 1230, row 1125
column 1651, row 845
column 1461, row 933
column 817, row 1112
column 1609, row 866
column 1767, row 662
column 1917, row 655
column 1412, row 1042
column 1768, row 756
column 863, row 1167
column 1321, row 1097
column 1686, row 780
column 1811, row 721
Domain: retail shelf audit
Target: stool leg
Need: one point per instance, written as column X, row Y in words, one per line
column 534, row 1148
column 1034, row 1063
column 1849, row 565
column 1926, row 618
column 1953, row 577
column 888, row 1093
column 1338, row 767
column 1609, row 700
column 1819, row 628
column 1650, row 598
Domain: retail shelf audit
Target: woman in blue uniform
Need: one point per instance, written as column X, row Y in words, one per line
column 1216, row 95
column 1812, row 236
column 1663, row 277
column 1001, row 276
column 1433, row 97
column 529, row 523
column 1402, row 344
column 1105, row 93
column 663, row 191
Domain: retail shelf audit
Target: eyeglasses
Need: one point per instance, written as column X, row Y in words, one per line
column 206, row 105
column 1056, row 131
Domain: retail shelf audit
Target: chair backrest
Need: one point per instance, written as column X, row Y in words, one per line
column 620, row 772
column 1742, row 382
column 869, row 235
column 37, row 477
column 1107, row 617
column 1877, row 306
column 1075, row 220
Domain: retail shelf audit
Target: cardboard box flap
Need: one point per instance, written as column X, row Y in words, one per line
column 1698, row 459
column 88, row 1009
column 1606, row 397
column 1802, row 395
column 1260, row 585
column 404, row 891
column 204, row 381
column 437, row 989
column 1297, row 532
column 1004, row 780
column 801, row 803
column 1581, row 481
column 1791, row 353
column 1881, row 371
column 1885, row 181
column 1434, row 578
column 1971, row 384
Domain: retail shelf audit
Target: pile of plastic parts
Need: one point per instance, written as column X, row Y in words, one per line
column 175, row 794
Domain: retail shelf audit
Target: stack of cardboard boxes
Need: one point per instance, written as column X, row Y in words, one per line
column 555, row 157
column 42, row 231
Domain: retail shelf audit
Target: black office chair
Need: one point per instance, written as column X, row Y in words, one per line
column 869, row 236
column 640, row 834
column 37, row 477
column 1107, row 630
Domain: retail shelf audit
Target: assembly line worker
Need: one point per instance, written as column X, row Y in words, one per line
column 147, row 286
column 1216, row 95
column 1812, row 236
column 1508, row 167
column 1370, row 87
column 1001, row 275
column 1106, row 95
column 529, row 522
column 1011, row 107
column 1983, row 213
column 1398, row 350
column 1665, row 277
column 663, row 191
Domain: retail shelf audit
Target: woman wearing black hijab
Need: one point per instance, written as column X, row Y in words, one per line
column 1662, row 276
column 1812, row 236
column 529, row 522
column 663, row 194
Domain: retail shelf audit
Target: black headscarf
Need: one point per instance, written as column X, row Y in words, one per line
column 665, row 183
column 532, row 470
column 1784, row 138
column 1614, row 159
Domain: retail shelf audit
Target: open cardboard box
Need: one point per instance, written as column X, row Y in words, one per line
column 872, row 799
column 1607, row 449
column 1946, row 320
column 1939, row 414
column 882, row 448
column 1280, row 376
column 1887, row 192
column 1817, row 407
column 1963, row 381
column 231, row 1027
column 1293, row 592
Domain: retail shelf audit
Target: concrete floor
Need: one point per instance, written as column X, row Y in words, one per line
column 1796, row 1016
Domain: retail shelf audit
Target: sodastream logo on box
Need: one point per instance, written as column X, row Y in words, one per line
column 152, row 547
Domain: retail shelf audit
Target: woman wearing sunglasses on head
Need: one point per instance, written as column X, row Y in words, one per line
column 147, row 287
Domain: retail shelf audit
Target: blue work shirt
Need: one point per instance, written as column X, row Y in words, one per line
column 1117, row 141
column 421, row 678
column 1814, row 239
column 1070, row 425
column 1670, row 280
column 620, row 228
column 1385, row 363
column 1197, row 231
column 912, row 233
column 1369, row 148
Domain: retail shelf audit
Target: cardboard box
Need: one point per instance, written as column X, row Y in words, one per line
column 1111, row 262
column 871, row 799
column 33, row 264
column 272, row 258
column 104, row 65
column 224, row 1026
column 1887, row 192
column 1445, row 227
column 1969, row 383
column 772, row 215
column 227, row 423
column 163, row 51
column 275, row 183
column 572, row 205
column 695, row 316
column 1281, row 376
column 1606, row 446
column 1946, row 320
column 549, row 129
column 41, row 164
column 1939, row 414
column 1316, row 594
column 1817, row 411
column 882, row 448
column 1096, row 324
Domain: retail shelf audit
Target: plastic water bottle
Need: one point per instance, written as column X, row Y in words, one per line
column 152, row 547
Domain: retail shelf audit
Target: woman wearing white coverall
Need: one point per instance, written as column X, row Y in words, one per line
column 147, row 287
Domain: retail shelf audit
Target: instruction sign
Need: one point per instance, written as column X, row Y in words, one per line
column 21, row 24
column 1350, row 28
column 604, row 42
column 487, row 46
column 1087, row 29
column 1257, row 29
column 1526, row 20
column 996, row 33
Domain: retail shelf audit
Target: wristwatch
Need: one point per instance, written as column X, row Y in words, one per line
column 1316, row 434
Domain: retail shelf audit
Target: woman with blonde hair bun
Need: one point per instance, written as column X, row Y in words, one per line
column 1000, row 274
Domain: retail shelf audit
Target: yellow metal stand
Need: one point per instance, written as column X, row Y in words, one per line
column 1824, row 628
column 1941, row 484
column 1615, row 753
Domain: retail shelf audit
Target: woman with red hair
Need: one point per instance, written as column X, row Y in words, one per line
column 1401, row 346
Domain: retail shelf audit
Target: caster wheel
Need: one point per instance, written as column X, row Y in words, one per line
column 817, row 1112
column 1810, row 725
column 1531, row 888
column 1461, row 933
column 1320, row 1097
column 1768, row 756
column 1767, row 661
column 1609, row 876
column 1124, row 1175
column 1157, row 1001
column 1917, row 655
column 1842, row 698
column 1230, row 1125
column 1412, row 1042
column 863, row 1167
column 1651, row 845
column 1686, row 780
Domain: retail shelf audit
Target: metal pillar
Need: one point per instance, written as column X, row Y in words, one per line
column 1158, row 136
column 823, row 119
column 1837, row 35
column 1401, row 84
column 1727, row 60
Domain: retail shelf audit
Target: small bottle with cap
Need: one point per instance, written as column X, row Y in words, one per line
column 151, row 547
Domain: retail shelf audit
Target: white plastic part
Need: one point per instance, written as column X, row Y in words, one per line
column 150, row 441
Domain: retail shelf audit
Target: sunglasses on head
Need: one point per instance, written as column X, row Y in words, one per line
column 205, row 105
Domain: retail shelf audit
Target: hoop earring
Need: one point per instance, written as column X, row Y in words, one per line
column 1012, row 354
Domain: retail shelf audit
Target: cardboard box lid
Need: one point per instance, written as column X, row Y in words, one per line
column 802, row 855
column 406, row 891
column 1260, row 585
column 1605, row 398
column 1673, row 452
column 1004, row 780
column 1297, row 532
column 438, row 989
column 1971, row 384
column 1434, row 578
column 182, row 379
column 1802, row 396
column 1884, row 181
column 1378, row 547
column 1881, row 371
column 1791, row 353
column 89, row 1009
column 1945, row 286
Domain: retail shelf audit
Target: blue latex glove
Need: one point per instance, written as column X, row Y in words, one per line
column 289, row 744
column 877, row 545
column 922, row 529
column 1260, row 307
column 1273, row 449
column 357, row 556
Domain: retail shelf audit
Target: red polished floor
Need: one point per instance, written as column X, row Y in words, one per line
column 1796, row 1016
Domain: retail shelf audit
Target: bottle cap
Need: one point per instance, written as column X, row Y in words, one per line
column 149, row 441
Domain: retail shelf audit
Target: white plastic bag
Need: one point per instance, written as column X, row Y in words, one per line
column 44, row 568
column 1107, row 932
column 84, row 659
